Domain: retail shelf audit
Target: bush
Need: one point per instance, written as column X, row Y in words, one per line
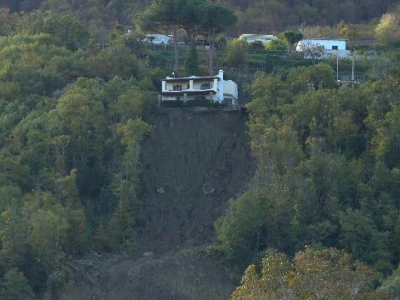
column 192, row 63
column 172, row 103
column 276, row 45
column 14, row 286
column 202, row 102
column 236, row 54
column 256, row 46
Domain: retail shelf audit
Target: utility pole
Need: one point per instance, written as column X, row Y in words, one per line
column 337, row 66
column 352, row 68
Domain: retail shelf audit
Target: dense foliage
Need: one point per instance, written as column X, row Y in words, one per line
column 76, row 90
column 71, row 119
column 255, row 16
column 327, row 169
column 259, row 16
column 313, row 274
column 96, row 14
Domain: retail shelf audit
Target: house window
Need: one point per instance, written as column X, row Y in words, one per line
column 177, row 87
column 335, row 48
column 188, row 86
column 205, row 86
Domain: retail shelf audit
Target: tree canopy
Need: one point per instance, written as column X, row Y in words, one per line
column 327, row 167
column 313, row 274
column 70, row 126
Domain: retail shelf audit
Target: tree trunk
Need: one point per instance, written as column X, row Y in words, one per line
column 176, row 51
column 191, row 35
column 211, row 37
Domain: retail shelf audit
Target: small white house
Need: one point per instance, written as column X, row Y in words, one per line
column 251, row 38
column 329, row 47
column 213, row 88
column 158, row 39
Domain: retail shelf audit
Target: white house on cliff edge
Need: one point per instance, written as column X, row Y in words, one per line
column 213, row 88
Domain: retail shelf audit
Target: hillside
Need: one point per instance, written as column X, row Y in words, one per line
column 194, row 162
column 107, row 194
column 255, row 16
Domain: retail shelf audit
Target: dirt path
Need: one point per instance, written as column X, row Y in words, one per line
column 194, row 162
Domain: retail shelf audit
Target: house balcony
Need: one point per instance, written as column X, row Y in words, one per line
column 188, row 94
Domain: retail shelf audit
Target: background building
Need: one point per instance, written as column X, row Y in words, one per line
column 327, row 47
column 251, row 38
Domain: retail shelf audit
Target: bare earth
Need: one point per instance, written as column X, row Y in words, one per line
column 195, row 160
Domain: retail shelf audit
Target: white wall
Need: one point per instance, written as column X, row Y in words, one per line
column 197, row 84
column 326, row 44
column 231, row 88
column 169, row 86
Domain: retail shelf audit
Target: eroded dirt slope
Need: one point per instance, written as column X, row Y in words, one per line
column 194, row 161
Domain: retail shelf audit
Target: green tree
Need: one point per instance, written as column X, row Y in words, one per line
column 47, row 231
column 256, row 46
column 132, row 104
column 79, row 120
column 361, row 237
column 14, row 286
column 326, row 167
column 192, row 62
column 171, row 15
column 122, row 226
column 292, row 38
column 392, row 284
column 7, row 21
column 215, row 19
column 312, row 78
column 117, row 61
column 189, row 18
column 276, row 45
column 270, row 95
column 388, row 30
column 313, row 274
column 67, row 28
column 236, row 53
column 163, row 16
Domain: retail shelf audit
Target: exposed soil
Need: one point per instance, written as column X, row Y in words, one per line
column 194, row 161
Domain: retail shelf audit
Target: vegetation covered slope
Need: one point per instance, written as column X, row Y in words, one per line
column 70, row 127
column 328, row 170
column 255, row 16
column 312, row 274
column 75, row 112
column 271, row 15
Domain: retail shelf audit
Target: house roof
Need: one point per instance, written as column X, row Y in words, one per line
column 323, row 39
column 158, row 35
column 257, row 36
column 199, row 92
column 194, row 78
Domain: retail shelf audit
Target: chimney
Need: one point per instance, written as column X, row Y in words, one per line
column 221, row 87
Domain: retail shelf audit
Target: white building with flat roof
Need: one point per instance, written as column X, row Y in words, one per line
column 158, row 39
column 213, row 88
column 329, row 47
